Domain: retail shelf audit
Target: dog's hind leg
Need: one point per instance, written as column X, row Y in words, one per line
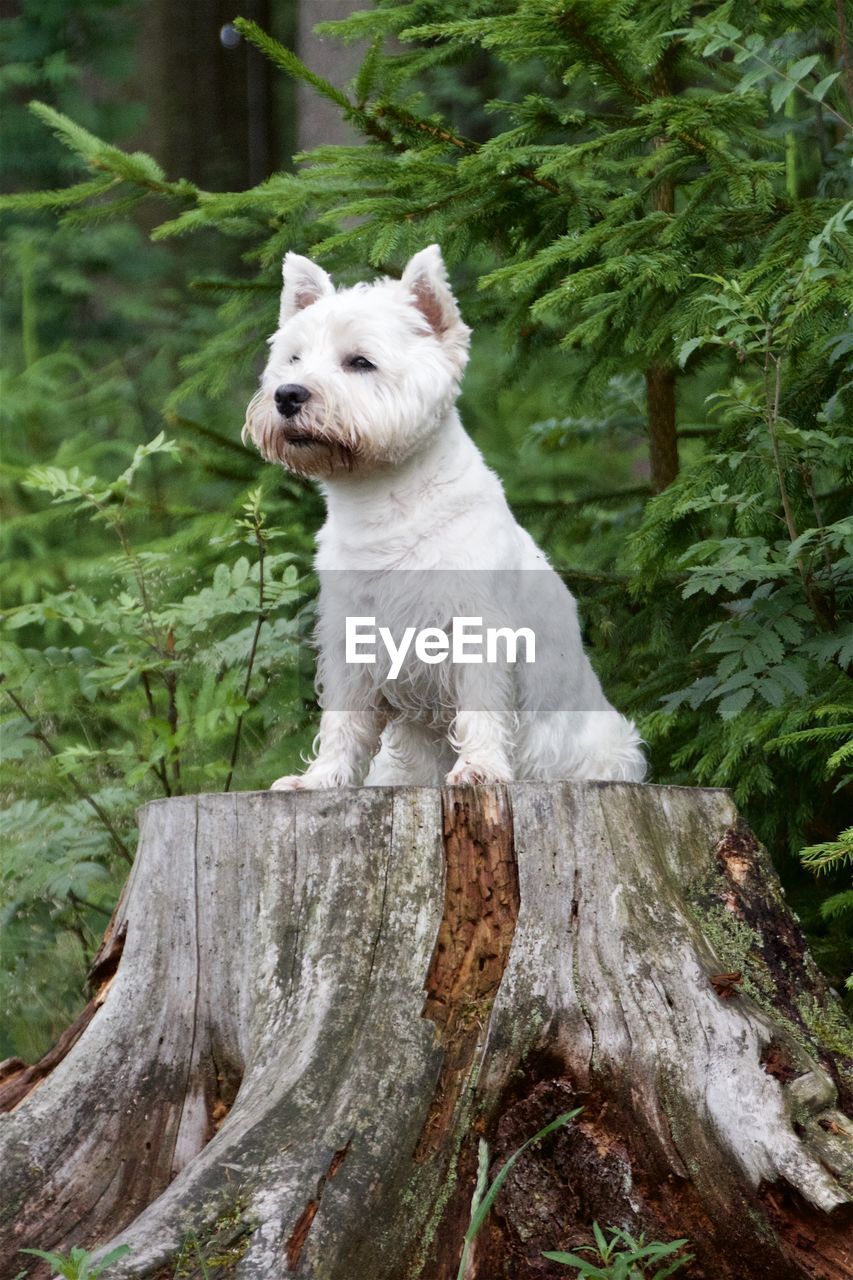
column 580, row 745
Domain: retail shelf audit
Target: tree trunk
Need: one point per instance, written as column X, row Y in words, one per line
column 320, row 121
column 660, row 378
column 663, row 432
column 311, row 1006
column 220, row 115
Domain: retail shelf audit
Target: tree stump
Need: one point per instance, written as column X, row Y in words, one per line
column 310, row 1006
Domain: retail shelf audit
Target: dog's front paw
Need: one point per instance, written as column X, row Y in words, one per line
column 468, row 774
column 290, row 782
column 322, row 777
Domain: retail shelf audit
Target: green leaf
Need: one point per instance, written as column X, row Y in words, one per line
column 588, row 1271
column 820, row 90
column 687, row 348
column 771, row 691
column 665, row 1272
column 754, row 77
column 781, row 92
column 732, row 705
column 222, row 580
column 600, row 1241
column 480, row 1214
column 114, row 1255
column 804, row 66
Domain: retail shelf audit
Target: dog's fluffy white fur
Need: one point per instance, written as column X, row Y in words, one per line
column 367, row 380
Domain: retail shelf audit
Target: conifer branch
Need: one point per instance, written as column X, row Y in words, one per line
column 289, row 62
column 371, row 121
column 584, row 37
column 136, row 168
column 608, row 64
column 408, row 120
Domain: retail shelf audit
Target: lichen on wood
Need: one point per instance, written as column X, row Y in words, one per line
column 325, row 1000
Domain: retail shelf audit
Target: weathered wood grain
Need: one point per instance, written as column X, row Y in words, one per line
column 324, row 999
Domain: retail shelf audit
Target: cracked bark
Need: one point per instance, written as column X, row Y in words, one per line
column 325, row 999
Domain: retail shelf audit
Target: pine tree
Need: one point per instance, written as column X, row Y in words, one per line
column 629, row 154
column 644, row 157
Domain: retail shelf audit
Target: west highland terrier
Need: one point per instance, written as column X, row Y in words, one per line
column 359, row 394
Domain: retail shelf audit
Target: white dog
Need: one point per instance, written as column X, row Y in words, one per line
column 359, row 393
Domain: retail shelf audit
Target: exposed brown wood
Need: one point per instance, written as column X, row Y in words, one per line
column 749, row 892
column 726, row 984
column 474, row 939
column 299, row 1234
column 10, row 1067
column 109, row 953
column 824, row 1249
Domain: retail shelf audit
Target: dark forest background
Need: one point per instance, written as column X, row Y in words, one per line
column 646, row 212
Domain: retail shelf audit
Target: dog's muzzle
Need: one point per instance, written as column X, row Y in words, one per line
column 290, row 398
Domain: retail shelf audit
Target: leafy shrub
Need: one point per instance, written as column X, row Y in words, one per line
column 79, row 1264
column 623, row 1257
column 148, row 680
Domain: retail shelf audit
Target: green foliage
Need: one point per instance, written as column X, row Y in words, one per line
column 149, row 679
column 623, row 1257
column 79, row 1264
column 485, row 1192
column 786, row 588
column 57, row 53
column 763, row 63
column 820, row 857
column 834, row 855
column 620, row 191
column 759, row 529
column 97, row 325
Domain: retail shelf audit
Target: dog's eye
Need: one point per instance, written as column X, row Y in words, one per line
column 294, row 359
column 360, row 362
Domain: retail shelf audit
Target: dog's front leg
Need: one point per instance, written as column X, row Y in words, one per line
column 482, row 734
column 344, row 747
column 482, row 744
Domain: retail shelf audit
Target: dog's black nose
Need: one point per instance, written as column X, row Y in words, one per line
column 290, row 398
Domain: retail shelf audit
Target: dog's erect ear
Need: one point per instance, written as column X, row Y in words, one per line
column 426, row 278
column 304, row 283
